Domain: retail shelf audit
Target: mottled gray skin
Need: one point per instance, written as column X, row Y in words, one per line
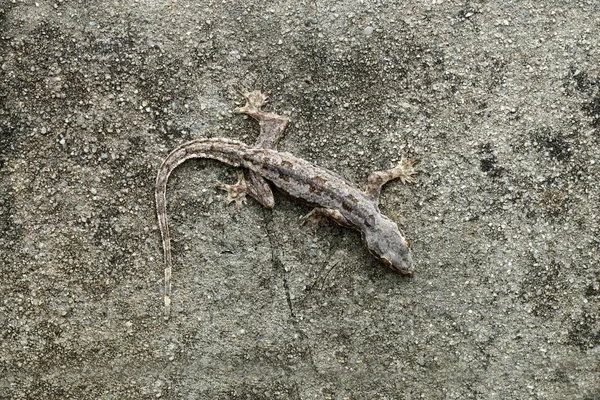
column 332, row 195
column 303, row 180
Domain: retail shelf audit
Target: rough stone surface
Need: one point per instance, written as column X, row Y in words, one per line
column 500, row 101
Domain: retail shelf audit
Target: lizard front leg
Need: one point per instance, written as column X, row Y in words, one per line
column 403, row 171
column 320, row 213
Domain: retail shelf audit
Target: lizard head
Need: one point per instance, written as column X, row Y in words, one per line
column 385, row 242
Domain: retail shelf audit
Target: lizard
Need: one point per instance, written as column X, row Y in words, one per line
column 333, row 196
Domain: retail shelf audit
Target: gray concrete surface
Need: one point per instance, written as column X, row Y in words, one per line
column 500, row 102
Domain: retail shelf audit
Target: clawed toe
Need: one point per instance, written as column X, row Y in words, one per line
column 406, row 170
column 236, row 192
column 254, row 101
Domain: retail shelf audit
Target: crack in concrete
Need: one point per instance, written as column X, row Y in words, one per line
column 276, row 258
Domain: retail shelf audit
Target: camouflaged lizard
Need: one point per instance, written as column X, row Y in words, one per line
column 334, row 197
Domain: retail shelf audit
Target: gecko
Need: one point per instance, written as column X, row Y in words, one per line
column 333, row 197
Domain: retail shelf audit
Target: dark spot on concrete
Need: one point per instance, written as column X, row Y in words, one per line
column 593, row 289
column 554, row 201
column 580, row 81
column 584, row 332
column 553, row 145
column 592, row 110
column 488, row 162
column 542, row 287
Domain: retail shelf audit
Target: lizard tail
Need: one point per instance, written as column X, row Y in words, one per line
column 224, row 150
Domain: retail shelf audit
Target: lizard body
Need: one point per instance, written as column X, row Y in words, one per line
column 332, row 195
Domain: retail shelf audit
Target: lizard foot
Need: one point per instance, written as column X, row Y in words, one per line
column 403, row 171
column 254, row 101
column 236, row 192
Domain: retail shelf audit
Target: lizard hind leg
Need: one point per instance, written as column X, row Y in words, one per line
column 403, row 171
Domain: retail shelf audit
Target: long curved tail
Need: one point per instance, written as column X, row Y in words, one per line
column 224, row 150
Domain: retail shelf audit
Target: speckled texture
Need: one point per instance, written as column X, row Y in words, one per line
column 499, row 101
